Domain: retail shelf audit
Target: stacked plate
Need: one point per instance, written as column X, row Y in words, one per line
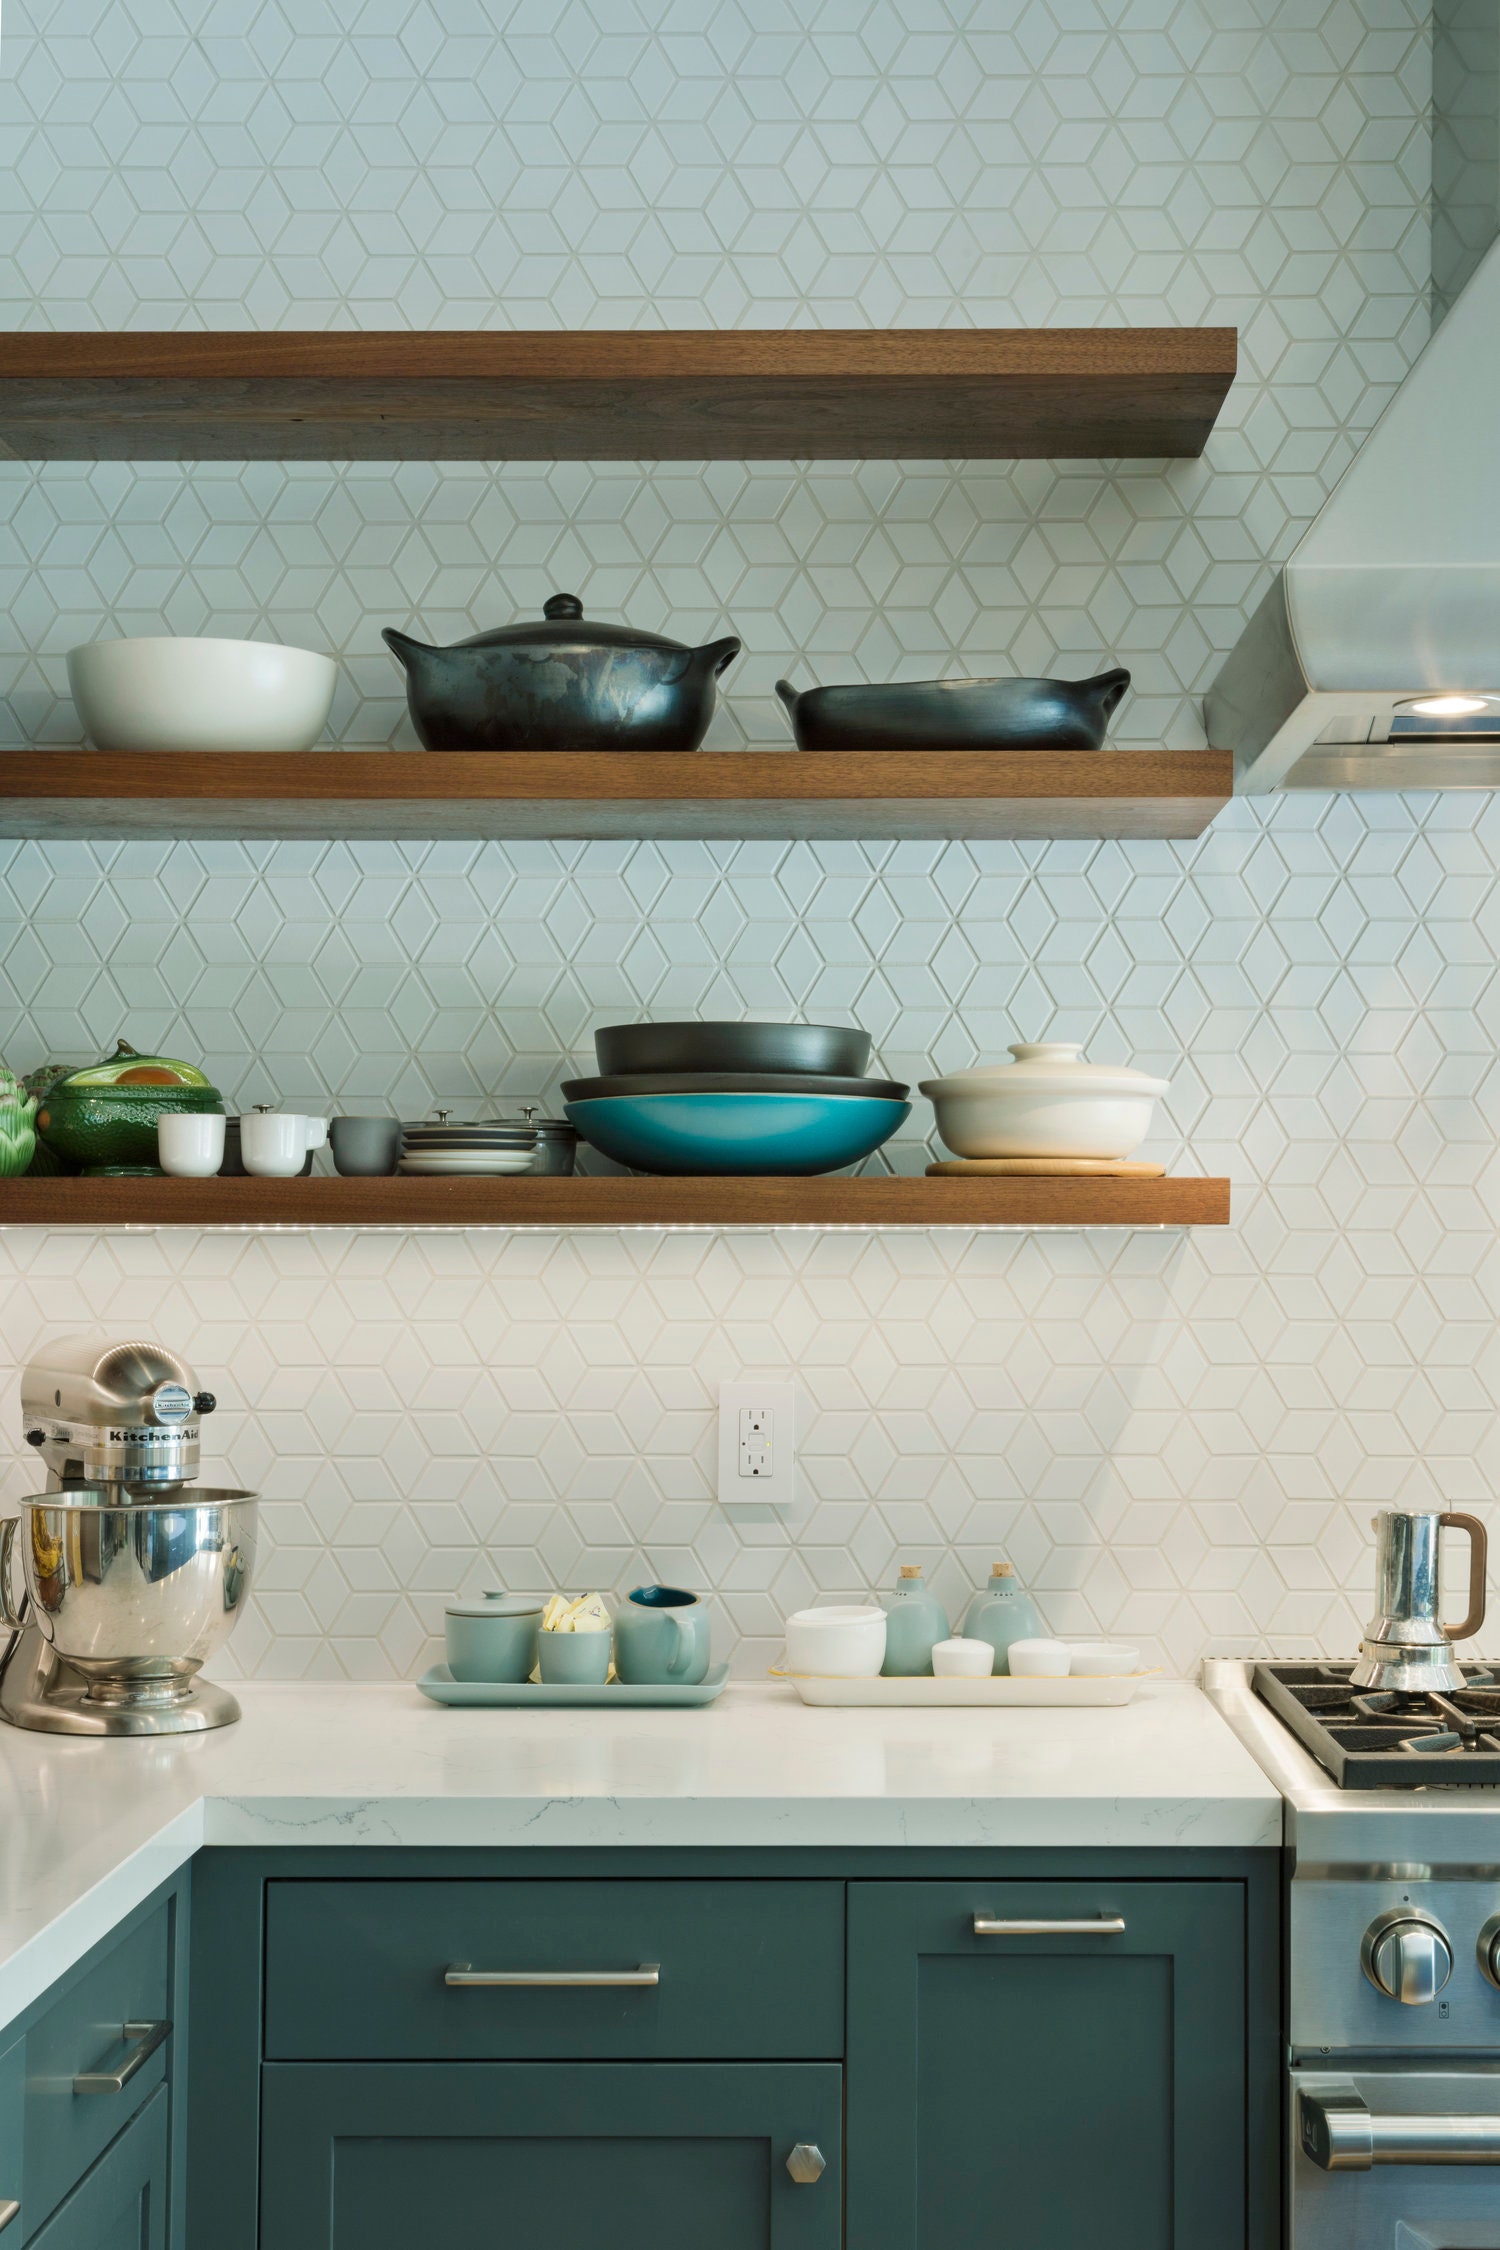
column 716, row 1098
column 439, row 1148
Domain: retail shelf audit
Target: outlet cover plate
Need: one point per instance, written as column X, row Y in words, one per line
column 741, row 1405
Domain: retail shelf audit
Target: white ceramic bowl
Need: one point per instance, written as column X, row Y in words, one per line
column 959, row 1659
column 1103, row 1660
column 1048, row 1102
column 182, row 693
column 1040, row 1660
column 843, row 1642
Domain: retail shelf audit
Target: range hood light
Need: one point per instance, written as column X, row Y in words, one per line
column 1449, row 706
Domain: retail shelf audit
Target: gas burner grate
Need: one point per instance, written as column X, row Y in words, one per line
column 1372, row 1740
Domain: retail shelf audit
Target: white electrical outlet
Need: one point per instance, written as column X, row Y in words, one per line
column 758, row 1444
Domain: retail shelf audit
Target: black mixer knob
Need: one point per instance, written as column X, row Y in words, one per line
column 36, row 1437
column 204, row 1403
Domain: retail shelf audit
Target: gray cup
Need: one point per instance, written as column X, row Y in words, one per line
column 574, row 1659
column 365, row 1148
column 494, row 1639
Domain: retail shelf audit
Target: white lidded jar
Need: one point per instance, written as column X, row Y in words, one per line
column 1048, row 1102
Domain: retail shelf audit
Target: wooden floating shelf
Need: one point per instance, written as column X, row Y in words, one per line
column 601, row 395
column 619, row 1201
column 473, row 795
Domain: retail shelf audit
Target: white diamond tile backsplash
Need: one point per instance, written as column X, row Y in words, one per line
column 1179, row 1437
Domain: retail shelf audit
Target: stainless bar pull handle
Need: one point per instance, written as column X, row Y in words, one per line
column 648, row 1973
column 8, row 2211
column 1096, row 1925
column 145, row 2038
column 1341, row 2133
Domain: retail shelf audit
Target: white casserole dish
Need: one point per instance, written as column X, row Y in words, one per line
column 1048, row 1102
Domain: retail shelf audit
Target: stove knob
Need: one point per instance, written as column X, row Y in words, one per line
column 1489, row 1949
column 1406, row 1956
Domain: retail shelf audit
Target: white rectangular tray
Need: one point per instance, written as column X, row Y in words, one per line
column 965, row 1695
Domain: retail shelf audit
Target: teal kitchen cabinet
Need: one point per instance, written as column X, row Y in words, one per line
column 92, row 2156
column 1054, row 2063
column 12, row 2132
column 382, row 2156
column 121, row 2204
column 474, row 2048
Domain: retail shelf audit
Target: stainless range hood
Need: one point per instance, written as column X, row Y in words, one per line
column 1374, row 660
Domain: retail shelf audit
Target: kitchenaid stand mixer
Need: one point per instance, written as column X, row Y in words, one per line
column 134, row 1572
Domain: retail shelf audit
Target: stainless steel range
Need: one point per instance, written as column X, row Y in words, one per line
column 1393, row 1949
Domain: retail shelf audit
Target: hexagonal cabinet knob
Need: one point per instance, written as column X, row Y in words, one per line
column 806, row 2163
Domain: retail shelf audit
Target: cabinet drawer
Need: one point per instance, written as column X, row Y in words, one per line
column 361, row 1969
column 82, row 2033
column 382, row 2156
column 122, row 2203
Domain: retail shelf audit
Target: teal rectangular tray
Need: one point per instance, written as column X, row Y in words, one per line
column 440, row 1686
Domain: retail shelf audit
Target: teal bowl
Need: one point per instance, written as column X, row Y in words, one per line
column 737, row 1133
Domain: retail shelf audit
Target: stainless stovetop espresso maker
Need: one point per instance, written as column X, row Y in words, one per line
column 134, row 1572
column 1407, row 1649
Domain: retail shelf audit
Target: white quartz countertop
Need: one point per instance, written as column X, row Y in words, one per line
column 89, row 1828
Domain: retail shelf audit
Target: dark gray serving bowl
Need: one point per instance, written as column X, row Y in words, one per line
column 825, row 1050
column 623, row 1085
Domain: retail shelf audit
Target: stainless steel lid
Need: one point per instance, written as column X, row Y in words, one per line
column 528, row 1119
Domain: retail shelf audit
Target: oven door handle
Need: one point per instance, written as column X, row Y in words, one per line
column 1341, row 2133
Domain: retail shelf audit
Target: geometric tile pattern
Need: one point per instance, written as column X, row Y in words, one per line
column 1465, row 142
column 164, row 165
column 1181, row 1437
column 1178, row 1437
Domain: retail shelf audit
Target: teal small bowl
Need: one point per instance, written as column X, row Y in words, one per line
column 716, row 1134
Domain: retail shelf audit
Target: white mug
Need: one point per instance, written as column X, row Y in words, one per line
column 274, row 1142
column 189, row 1144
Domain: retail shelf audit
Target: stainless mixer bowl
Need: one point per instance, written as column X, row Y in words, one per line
column 135, row 1594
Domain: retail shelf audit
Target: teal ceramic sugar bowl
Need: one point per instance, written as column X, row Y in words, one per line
column 493, row 1639
column 661, row 1638
column 1000, row 1614
column 915, row 1621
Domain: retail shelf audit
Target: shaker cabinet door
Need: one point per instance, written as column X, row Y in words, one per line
column 122, row 2203
column 561, row 2156
column 1055, row 2087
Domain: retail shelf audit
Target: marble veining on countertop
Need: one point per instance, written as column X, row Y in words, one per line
column 89, row 1828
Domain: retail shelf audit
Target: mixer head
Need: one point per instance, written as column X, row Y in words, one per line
column 101, row 1412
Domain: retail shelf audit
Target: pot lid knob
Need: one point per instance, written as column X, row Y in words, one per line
column 561, row 606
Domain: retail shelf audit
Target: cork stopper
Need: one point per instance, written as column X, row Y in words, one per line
column 1003, row 1570
column 911, row 1570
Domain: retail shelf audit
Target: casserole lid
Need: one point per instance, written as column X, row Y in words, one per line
column 528, row 1119
column 563, row 626
column 1049, row 1066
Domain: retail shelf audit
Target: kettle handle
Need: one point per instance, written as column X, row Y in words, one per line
column 1478, row 1555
